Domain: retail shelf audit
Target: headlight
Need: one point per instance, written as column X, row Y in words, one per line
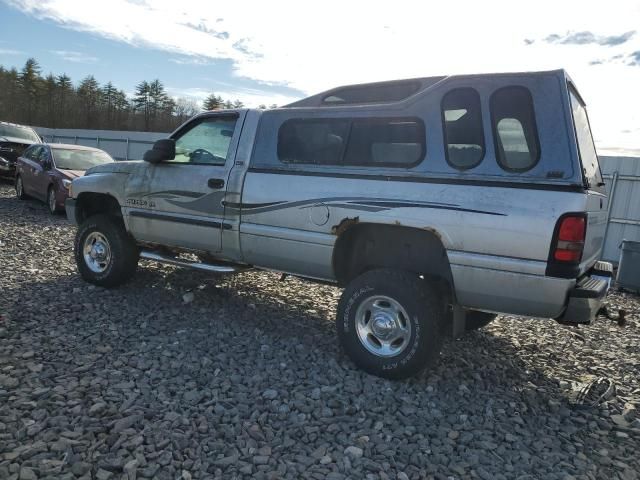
column 3, row 161
column 67, row 184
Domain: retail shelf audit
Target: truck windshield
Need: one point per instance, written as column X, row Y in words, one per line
column 588, row 156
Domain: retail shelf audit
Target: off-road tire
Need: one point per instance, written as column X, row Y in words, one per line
column 476, row 320
column 424, row 310
column 123, row 250
column 20, row 189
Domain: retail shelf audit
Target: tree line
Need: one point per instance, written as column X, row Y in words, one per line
column 28, row 97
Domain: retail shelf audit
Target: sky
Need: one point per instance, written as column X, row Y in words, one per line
column 265, row 52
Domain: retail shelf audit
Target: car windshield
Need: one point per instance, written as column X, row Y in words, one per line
column 16, row 131
column 73, row 159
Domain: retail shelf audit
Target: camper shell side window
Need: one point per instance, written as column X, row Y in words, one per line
column 515, row 132
column 396, row 142
column 463, row 132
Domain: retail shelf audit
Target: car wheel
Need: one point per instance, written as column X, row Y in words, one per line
column 390, row 323
column 105, row 253
column 476, row 320
column 20, row 188
column 51, row 201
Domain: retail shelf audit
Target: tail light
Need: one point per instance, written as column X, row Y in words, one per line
column 568, row 242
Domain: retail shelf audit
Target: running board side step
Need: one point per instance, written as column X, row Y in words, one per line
column 205, row 267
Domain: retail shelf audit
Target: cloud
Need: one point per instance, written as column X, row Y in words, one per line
column 311, row 47
column 10, row 51
column 75, row 57
column 634, row 59
column 587, row 37
column 252, row 98
column 199, row 61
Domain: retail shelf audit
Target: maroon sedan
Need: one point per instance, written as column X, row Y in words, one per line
column 45, row 171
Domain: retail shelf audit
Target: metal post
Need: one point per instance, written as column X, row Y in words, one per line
column 97, row 142
column 126, row 153
column 75, row 141
column 612, row 193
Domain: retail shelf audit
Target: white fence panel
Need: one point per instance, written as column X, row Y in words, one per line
column 622, row 177
column 121, row 145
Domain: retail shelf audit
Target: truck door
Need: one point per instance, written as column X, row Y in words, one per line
column 180, row 202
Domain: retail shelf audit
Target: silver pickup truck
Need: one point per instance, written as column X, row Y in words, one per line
column 436, row 202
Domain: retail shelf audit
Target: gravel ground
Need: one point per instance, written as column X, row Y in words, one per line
column 184, row 375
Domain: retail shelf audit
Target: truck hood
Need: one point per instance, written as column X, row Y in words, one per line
column 115, row 167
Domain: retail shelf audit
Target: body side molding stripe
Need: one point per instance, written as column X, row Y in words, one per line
column 178, row 219
column 444, row 181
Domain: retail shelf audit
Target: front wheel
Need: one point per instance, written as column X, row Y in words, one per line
column 105, row 253
column 390, row 323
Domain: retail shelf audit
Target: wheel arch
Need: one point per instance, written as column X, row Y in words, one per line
column 90, row 203
column 365, row 246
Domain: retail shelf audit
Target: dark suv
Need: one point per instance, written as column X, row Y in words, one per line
column 14, row 139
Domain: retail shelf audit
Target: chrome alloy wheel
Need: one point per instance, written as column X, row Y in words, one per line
column 383, row 326
column 96, row 252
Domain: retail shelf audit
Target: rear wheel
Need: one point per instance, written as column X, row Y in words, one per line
column 105, row 253
column 20, row 189
column 51, row 201
column 389, row 323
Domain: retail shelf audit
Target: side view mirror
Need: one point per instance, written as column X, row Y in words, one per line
column 164, row 149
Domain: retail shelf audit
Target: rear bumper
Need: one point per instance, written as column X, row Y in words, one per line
column 586, row 298
column 70, row 208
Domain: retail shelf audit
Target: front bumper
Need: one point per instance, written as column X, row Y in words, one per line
column 586, row 298
column 70, row 208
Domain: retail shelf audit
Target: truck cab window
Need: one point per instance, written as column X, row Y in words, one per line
column 206, row 142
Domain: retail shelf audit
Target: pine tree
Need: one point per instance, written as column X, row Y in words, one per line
column 212, row 102
column 31, row 86
column 90, row 97
column 65, row 96
column 108, row 99
column 50, row 94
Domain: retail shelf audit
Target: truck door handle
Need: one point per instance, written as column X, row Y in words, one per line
column 215, row 183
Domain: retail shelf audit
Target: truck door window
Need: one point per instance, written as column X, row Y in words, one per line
column 514, row 129
column 207, row 141
column 463, row 133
